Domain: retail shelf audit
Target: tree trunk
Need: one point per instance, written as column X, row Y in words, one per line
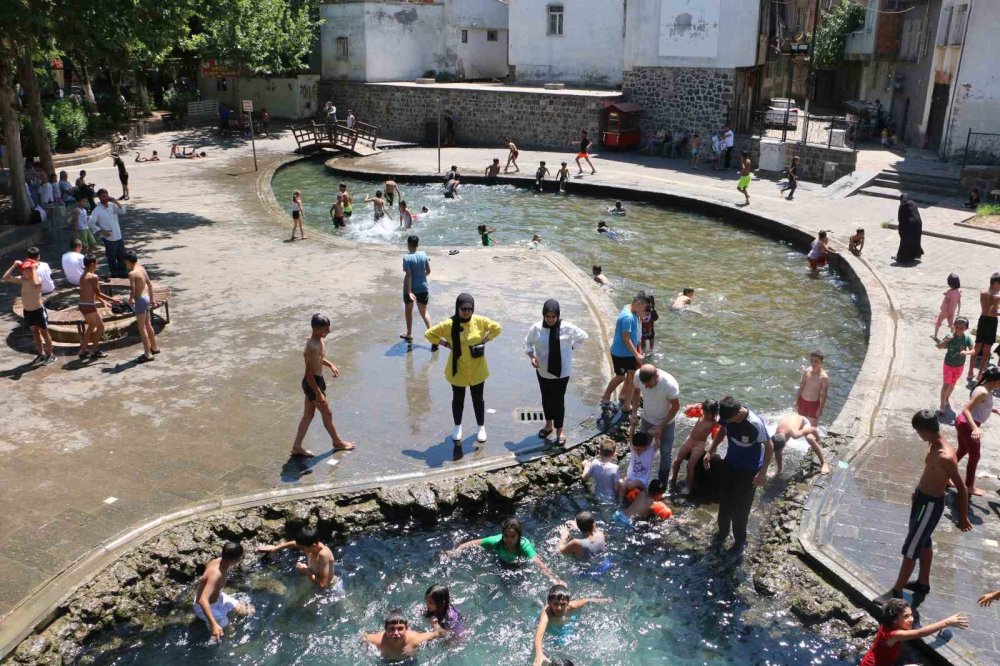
column 89, row 101
column 12, row 133
column 141, row 94
column 33, row 102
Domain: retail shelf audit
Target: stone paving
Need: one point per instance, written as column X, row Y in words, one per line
column 230, row 366
column 864, row 519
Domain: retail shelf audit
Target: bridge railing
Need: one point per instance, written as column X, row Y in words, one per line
column 336, row 134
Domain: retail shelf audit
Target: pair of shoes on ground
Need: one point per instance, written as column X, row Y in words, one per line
column 44, row 359
column 100, row 353
column 456, row 434
column 544, row 435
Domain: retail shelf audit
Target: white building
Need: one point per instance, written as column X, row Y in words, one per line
column 377, row 41
column 568, row 41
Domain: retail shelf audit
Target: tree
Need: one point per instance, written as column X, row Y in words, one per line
column 29, row 79
column 12, row 133
column 265, row 37
column 831, row 34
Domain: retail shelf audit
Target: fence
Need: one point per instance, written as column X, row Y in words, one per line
column 828, row 131
column 982, row 149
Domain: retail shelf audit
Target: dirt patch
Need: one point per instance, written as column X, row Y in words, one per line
column 989, row 222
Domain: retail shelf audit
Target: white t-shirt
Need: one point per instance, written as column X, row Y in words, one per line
column 72, row 264
column 604, row 475
column 727, row 140
column 80, row 215
column 640, row 467
column 45, row 272
column 656, row 400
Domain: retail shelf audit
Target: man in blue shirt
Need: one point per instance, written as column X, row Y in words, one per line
column 625, row 354
column 416, row 268
column 748, row 454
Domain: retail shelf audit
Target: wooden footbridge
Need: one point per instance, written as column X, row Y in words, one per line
column 358, row 140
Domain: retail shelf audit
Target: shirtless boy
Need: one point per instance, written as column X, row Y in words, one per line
column 599, row 276
column 813, row 388
column 493, row 170
column 141, row 300
column 347, row 200
column 986, row 328
column 649, row 503
column 391, row 188
column 683, row 299
column 557, row 613
column 745, row 168
column 318, row 566
column 35, row 314
column 940, row 467
column 314, row 386
column 154, row 158
column 590, row 543
column 90, row 294
column 511, row 155
column 378, row 203
column 540, row 173
column 337, row 212
column 397, row 641
column 562, row 176
column 213, row 605
column 696, row 443
column 793, row 426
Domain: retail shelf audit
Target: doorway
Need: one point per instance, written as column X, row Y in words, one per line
column 935, row 119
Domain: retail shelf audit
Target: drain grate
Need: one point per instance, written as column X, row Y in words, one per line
column 528, row 415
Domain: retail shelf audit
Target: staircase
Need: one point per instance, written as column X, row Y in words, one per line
column 922, row 188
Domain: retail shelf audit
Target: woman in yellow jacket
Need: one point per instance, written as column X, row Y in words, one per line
column 465, row 334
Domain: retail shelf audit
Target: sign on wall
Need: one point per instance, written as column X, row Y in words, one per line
column 689, row 28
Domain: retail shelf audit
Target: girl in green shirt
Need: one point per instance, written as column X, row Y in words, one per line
column 510, row 545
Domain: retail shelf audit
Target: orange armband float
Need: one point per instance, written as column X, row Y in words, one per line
column 693, row 412
column 661, row 510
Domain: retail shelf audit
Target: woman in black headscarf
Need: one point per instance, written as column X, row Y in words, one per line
column 910, row 230
column 549, row 345
column 465, row 334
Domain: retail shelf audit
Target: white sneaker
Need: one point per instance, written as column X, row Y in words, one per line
column 481, row 435
column 456, row 434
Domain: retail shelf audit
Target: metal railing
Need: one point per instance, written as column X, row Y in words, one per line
column 829, row 131
column 981, row 149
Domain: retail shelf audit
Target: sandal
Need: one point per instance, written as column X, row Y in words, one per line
column 544, row 434
column 561, row 441
column 143, row 359
column 406, row 337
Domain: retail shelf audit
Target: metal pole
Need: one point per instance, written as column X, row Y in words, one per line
column 438, row 102
column 788, row 95
column 809, row 73
column 965, row 157
column 252, row 142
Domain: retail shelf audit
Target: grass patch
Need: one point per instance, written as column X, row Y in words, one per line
column 987, row 209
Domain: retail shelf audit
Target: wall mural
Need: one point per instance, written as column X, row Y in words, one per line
column 689, row 28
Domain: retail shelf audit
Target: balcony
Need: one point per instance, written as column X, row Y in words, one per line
column 860, row 44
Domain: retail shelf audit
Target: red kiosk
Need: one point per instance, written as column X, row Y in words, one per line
column 621, row 123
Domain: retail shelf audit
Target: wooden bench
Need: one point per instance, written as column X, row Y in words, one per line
column 72, row 316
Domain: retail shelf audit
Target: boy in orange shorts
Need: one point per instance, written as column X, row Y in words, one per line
column 584, row 153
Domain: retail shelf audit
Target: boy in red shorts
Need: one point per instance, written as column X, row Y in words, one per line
column 584, row 153
column 811, row 398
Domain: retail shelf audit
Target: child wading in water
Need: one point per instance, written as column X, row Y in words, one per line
column 562, row 175
column 818, row 252
column 951, row 304
column 439, row 607
column 397, row 641
column 896, row 627
column 556, row 613
column 540, row 175
column 694, row 446
column 811, row 398
column 484, row 234
column 297, row 214
column 599, row 276
column 683, row 299
column 959, row 345
column 649, row 324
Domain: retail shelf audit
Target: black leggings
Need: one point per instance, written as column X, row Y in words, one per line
column 458, row 403
column 554, row 399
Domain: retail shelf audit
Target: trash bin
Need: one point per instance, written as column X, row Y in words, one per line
column 837, row 138
column 829, row 173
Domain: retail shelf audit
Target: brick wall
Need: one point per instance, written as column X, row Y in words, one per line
column 694, row 99
column 536, row 119
column 812, row 158
column 986, row 178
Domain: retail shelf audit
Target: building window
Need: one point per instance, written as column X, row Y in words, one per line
column 491, row 35
column 342, row 50
column 555, row 19
column 958, row 25
column 465, row 36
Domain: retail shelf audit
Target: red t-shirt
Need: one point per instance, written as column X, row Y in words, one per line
column 881, row 653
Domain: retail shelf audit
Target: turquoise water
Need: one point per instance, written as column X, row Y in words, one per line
column 758, row 312
column 671, row 603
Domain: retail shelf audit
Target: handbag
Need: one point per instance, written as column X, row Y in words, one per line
column 478, row 351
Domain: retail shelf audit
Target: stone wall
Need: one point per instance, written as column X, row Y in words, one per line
column 694, row 99
column 986, row 178
column 484, row 116
column 812, row 159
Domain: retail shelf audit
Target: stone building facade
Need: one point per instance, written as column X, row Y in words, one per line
column 484, row 115
column 692, row 99
column 812, row 158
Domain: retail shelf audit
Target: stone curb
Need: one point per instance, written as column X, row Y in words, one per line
column 85, row 157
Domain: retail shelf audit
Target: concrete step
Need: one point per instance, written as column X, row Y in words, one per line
column 907, row 186
column 890, row 193
column 918, row 179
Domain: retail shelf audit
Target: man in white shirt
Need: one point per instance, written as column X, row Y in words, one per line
column 350, row 119
column 72, row 262
column 104, row 220
column 728, row 141
column 660, row 404
column 42, row 270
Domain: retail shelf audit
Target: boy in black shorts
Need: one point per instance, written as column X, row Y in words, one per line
column 626, row 355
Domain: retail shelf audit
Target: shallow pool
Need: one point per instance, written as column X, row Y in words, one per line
column 672, row 603
column 758, row 313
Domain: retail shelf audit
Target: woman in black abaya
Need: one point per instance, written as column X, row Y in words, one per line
column 910, row 230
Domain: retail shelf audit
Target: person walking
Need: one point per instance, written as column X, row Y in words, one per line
column 748, row 454
column 660, row 404
column 416, row 268
column 466, row 335
column 104, row 220
column 728, row 141
column 122, row 175
column 550, row 344
column 584, row 153
column 969, row 424
column 910, row 229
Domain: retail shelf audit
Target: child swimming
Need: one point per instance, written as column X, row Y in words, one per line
column 439, row 608
column 591, row 542
column 378, row 203
column 604, row 470
column 648, row 503
column 484, row 234
column 599, row 277
column 696, row 443
column 397, row 641
column 617, row 209
column 683, row 299
column 510, row 546
column 603, row 228
column 556, row 613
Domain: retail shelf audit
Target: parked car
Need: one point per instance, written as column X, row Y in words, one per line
column 776, row 112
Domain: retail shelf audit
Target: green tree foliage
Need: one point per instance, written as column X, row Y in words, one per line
column 69, row 121
column 264, row 37
column 831, row 35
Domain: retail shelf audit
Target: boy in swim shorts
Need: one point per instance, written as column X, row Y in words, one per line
column 556, row 613
column 211, row 603
column 540, row 175
column 695, row 150
column 584, row 153
column 141, row 300
column 397, row 641
column 90, row 296
column 745, row 169
column 562, row 175
column 794, row 426
column 314, row 388
column 318, row 567
column 813, row 388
